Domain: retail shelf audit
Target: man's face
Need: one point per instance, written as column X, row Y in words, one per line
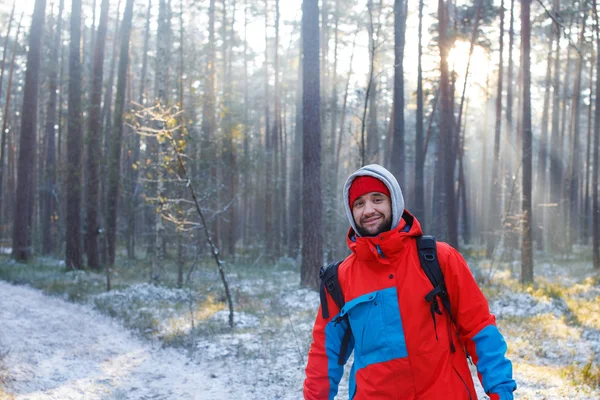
column 372, row 214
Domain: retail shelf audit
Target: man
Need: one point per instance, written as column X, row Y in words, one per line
column 402, row 349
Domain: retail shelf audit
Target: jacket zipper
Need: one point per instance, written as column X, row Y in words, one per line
column 463, row 381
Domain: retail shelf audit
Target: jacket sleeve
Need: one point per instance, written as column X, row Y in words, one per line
column 323, row 373
column 477, row 326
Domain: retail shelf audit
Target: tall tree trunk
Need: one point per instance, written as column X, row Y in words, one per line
column 94, row 142
column 208, row 110
column 48, row 204
column 555, row 176
column 3, row 141
column 509, row 83
column 158, row 147
column 398, row 162
column 365, row 145
column 596, row 164
column 419, row 209
column 495, row 209
column 182, row 129
column 585, row 215
column 446, row 128
column 107, row 126
column 296, row 180
column 338, row 150
column 269, row 234
column 22, row 250
column 312, row 236
column 132, row 195
column 114, row 165
column 276, row 143
column 540, row 216
column 229, row 155
column 72, row 188
column 246, row 133
column 526, row 242
column 574, row 166
column 10, row 21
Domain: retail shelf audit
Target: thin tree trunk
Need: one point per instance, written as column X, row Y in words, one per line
column 585, row 216
column 526, row 242
column 596, row 164
column 419, row 209
column 446, row 128
column 246, row 133
column 574, row 166
column 296, row 192
column 364, row 155
column 276, row 142
column 107, row 130
column 10, row 21
column 94, row 142
column 161, row 99
column 495, row 209
column 398, row 162
column 22, row 250
column 543, row 150
column 344, row 106
column 132, row 196
column 555, row 177
column 3, row 145
column 209, row 113
column 48, row 205
column 312, row 237
column 509, row 80
column 268, row 212
column 181, row 171
column 74, row 251
column 114, row 166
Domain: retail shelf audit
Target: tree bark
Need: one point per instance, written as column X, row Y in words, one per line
column 447, row 128
column 94, row 142
column 596, row 164
column 312, row 237
column 398, row 162
column 114, row 165
column 22, row 225
column 4, row 133
column 495, row 208
column 555, row 161
column 72, row 188
column 540, row 216
column 574, row 166
column 268, row 209
column 10, row 21
column 526, row 242
column 48, row 204
column 419, row 209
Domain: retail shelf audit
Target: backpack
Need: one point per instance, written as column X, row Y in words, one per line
column 426, row 246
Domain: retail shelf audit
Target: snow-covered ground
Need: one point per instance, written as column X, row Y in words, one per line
column 62, row 350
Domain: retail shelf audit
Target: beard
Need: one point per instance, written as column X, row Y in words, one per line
column 385, row 226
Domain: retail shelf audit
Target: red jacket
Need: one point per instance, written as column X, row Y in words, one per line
column 398, row 353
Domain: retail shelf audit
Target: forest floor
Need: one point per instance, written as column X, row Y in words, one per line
column 72, row 340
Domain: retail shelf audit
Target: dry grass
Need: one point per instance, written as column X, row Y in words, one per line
column 4, row 395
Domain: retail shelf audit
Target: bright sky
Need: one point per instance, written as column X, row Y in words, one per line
column 291, row 11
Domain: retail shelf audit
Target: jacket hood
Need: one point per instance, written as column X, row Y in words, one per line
column 385, row 176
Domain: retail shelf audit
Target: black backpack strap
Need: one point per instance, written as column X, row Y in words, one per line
column 427, row 248
column 330, row 282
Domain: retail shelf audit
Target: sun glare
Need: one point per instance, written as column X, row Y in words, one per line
column 458, row 59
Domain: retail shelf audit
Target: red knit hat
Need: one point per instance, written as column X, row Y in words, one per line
column 366, row 184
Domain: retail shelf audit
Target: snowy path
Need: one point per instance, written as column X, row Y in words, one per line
column 60, row 350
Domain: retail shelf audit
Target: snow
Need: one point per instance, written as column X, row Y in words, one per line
column 63, row 350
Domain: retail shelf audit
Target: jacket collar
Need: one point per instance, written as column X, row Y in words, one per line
column 385, row 246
